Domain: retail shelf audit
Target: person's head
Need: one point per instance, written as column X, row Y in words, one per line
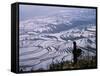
column 74, row 43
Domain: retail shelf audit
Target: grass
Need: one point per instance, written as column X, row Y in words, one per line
column 84, row 63
column 81, row 64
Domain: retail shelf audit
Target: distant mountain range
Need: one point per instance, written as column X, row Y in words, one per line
column 59, row 22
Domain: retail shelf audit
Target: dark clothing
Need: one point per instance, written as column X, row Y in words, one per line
column 76, row 52
column 75, row 59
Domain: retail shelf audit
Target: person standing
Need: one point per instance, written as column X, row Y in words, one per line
column 74, row 52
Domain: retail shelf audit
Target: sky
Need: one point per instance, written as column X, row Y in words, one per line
column 29, row 11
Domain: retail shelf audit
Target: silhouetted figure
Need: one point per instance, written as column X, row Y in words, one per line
column 76, row 52
column 21, row 70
